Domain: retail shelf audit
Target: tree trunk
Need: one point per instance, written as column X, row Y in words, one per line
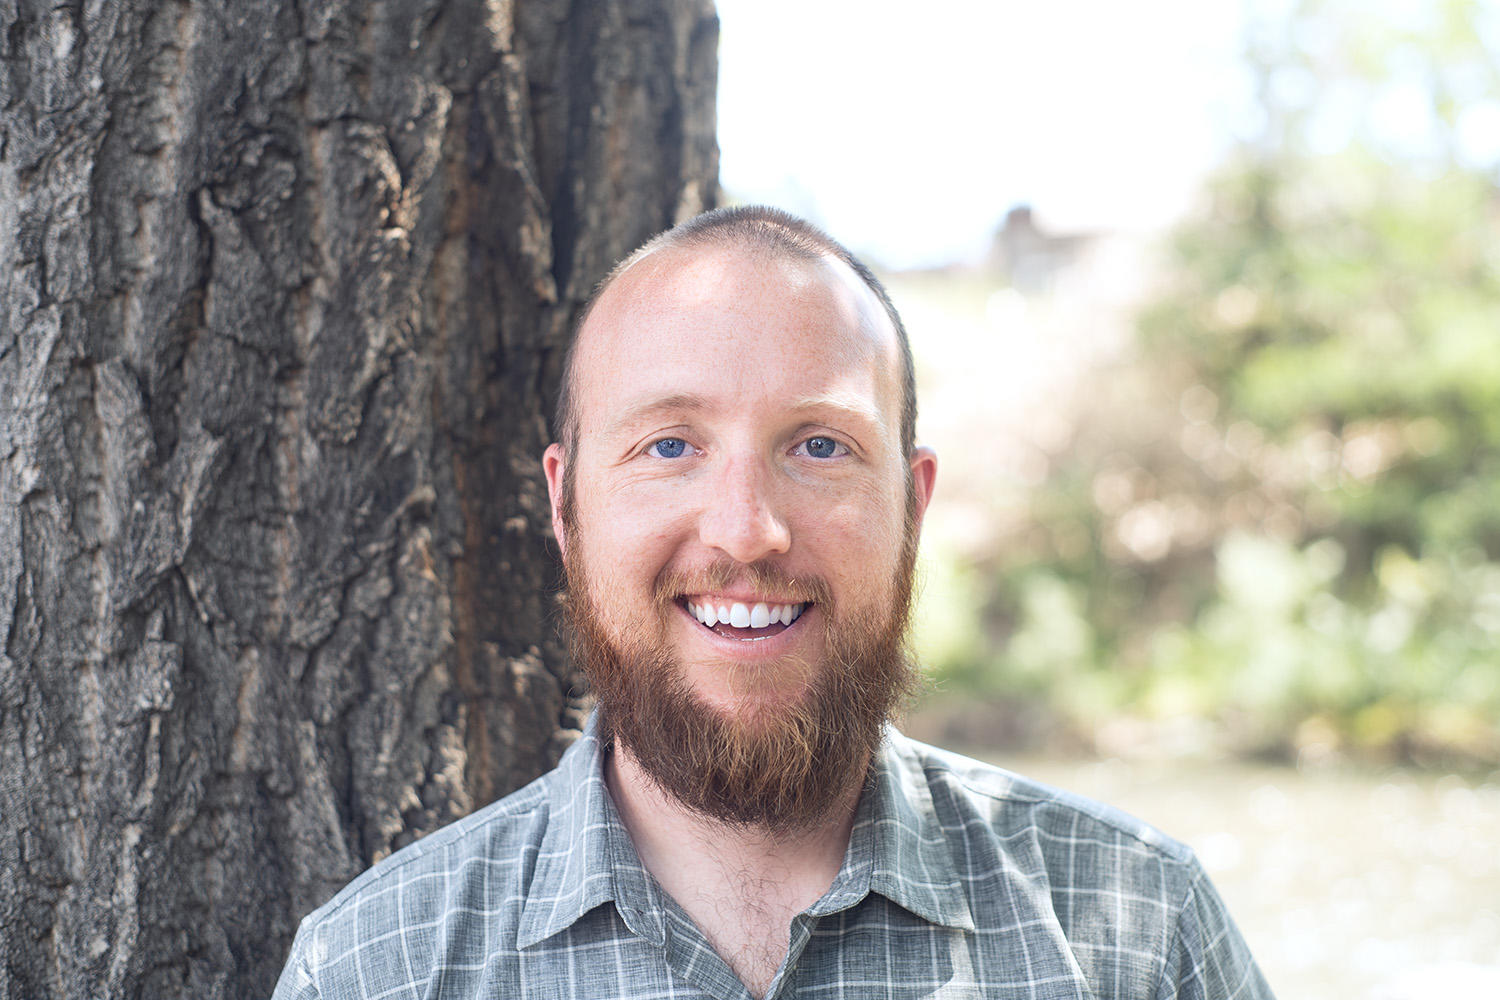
column 283, row 292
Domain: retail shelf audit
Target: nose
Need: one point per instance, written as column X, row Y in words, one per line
column 741, row 519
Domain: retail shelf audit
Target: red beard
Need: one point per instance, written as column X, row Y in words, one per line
column 781, row 769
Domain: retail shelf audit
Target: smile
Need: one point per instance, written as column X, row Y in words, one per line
column 741, row 620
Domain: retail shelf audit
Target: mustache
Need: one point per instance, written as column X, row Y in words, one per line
column 725, row 573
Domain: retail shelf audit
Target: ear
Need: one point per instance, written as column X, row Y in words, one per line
column 554, row 459
column 923, row 478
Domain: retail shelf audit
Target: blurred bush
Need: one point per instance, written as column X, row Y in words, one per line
column 1282, row 512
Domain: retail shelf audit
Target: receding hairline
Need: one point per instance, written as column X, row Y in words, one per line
column 759, row 231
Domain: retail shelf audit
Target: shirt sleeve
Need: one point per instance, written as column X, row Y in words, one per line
column 296, row 982
column 1209, row 960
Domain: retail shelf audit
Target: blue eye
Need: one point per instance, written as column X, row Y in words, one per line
column 668, row 448
column 822, row 447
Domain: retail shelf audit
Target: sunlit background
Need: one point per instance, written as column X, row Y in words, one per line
column 1205, row 299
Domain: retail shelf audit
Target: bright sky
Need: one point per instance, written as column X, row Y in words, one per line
column 909, row 129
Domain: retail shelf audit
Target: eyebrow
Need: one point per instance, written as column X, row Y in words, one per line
column 681, row 402
column 848, row 403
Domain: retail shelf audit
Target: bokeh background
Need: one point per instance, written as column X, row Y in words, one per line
column 1205, row 299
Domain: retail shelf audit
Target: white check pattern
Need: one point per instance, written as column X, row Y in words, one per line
column 961, row 880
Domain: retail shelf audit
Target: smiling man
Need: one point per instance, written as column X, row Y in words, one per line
column 737, row 495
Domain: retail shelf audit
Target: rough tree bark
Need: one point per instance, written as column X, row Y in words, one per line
column 283, row 287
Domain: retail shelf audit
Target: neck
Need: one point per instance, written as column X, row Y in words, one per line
column 740, row 883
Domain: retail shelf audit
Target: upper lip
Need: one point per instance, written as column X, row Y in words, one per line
column 719, row 598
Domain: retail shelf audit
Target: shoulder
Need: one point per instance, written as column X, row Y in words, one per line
column 1006, row 831
column 497, row 836
column 1130, row 906
column 984, row 796
column 475, row 872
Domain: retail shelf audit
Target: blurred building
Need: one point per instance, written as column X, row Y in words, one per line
column 1031, row 259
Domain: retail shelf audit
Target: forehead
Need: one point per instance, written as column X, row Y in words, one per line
column 739, row 321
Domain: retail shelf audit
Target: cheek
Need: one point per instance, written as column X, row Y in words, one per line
column 629, row 528
column 858, row 532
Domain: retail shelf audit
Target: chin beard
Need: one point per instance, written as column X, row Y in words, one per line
column 781, row 768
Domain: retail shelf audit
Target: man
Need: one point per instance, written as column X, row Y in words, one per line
column 737, row 496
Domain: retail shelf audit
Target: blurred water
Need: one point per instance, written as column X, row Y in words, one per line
column 1349, row 884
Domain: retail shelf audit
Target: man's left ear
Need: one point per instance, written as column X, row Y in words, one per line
column 923, row 478
column 554, row 461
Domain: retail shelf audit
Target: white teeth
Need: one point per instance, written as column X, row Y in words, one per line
column 760, row 615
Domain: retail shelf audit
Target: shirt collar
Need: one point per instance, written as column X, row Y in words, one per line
column 897, row 848
column 586, row 857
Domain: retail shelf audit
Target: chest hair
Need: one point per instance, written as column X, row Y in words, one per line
column 746, row 916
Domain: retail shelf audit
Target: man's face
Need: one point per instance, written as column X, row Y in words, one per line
column 743, row 514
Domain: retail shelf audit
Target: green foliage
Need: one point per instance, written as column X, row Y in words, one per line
column 1290, row 500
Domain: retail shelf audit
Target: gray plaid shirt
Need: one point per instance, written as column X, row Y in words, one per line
column 961, row 880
